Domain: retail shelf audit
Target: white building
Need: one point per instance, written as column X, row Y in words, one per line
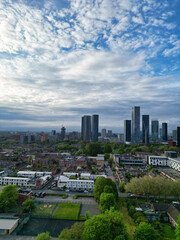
column 174, row 163
column 32, row 174
column 164, row 162
column 157, row 161
column 75, row 184
column 14, row 181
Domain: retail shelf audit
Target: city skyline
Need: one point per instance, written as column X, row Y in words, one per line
column 60, row 60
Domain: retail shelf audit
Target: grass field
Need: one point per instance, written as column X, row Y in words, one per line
column 130, row 225
column 43, row 209
column 68, row 211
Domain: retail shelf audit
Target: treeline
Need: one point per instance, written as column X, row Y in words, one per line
column 92, row 149
column 156, row 186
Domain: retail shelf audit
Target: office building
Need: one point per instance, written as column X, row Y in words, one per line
column 178, row 136
column 145, row 129
column 174, row 135
column 164, row 132
column 94, row 128
column 103, row 133
column 154, row 130
column 135, row 124
column 109, row 133
column 86, row 128
column 127, row 130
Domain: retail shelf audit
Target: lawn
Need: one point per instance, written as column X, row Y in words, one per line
column 68, row 211
column 167, row 232
column 130, row 225
column 43, row 209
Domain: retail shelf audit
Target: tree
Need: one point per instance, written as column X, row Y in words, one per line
column 93, row 149
column 43, row 236
column 97, row 228
column 8, row 198
column 87, row 215
column 178, row 229
column 28, row 205
column 145, row 231
column 105, row 226
column 122, row 187
column 107, row 200
column 99, row 185
column 75, row 232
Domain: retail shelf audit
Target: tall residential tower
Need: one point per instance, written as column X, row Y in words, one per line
column 135, row 124
column 127, row 130
column 94, row 128
column 145, row 129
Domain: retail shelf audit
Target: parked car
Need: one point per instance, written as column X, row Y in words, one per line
column 67, row 190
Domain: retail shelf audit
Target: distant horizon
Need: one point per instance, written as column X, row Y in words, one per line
column 62, row 59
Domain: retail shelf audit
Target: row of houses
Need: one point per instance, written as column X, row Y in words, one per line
column 84, row 181
column 26, row 178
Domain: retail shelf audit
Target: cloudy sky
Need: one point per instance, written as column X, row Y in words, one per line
column 61, row 59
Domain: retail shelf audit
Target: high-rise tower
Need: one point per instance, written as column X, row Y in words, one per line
column 154, row 130
column 145, row 129
column 127, row 130
column 86, row 128
column 178, row 136
column 135, row 124
column 94, row 128
column 164, row 132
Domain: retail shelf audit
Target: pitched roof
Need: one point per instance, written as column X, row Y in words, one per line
column 173, row 212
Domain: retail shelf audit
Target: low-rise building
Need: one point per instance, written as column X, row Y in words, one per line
column 7, row 226
column 18, row 181
column 32, row 174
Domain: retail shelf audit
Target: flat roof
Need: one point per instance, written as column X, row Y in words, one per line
column 8, row 224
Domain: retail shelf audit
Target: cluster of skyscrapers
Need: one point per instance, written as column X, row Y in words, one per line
column 90, row 128
column 133, row 133
column 132, row 129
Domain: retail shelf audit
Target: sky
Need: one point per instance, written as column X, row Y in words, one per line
column 62, row 59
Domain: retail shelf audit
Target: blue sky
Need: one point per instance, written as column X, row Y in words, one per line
column 62, row 59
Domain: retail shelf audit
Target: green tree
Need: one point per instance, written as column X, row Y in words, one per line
column 87, row 215
column 107, row 200
column 28, row 205
column 99, row 185
column 145, row 232
column 122, row 187
column 75, row 232
column 105, row 226
column 93, row 149
column 43, row 236
column 8, row 198
column 178, row 229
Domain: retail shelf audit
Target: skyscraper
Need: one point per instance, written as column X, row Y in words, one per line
column 86, row 128
column 103, row 133
column 154, row 130
column 94, row 127
column 135, row 124
column 164, row 132
column 178, row 136
column 174, row 134
column 127, row 130
column 145, row 129
column 63, row 132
